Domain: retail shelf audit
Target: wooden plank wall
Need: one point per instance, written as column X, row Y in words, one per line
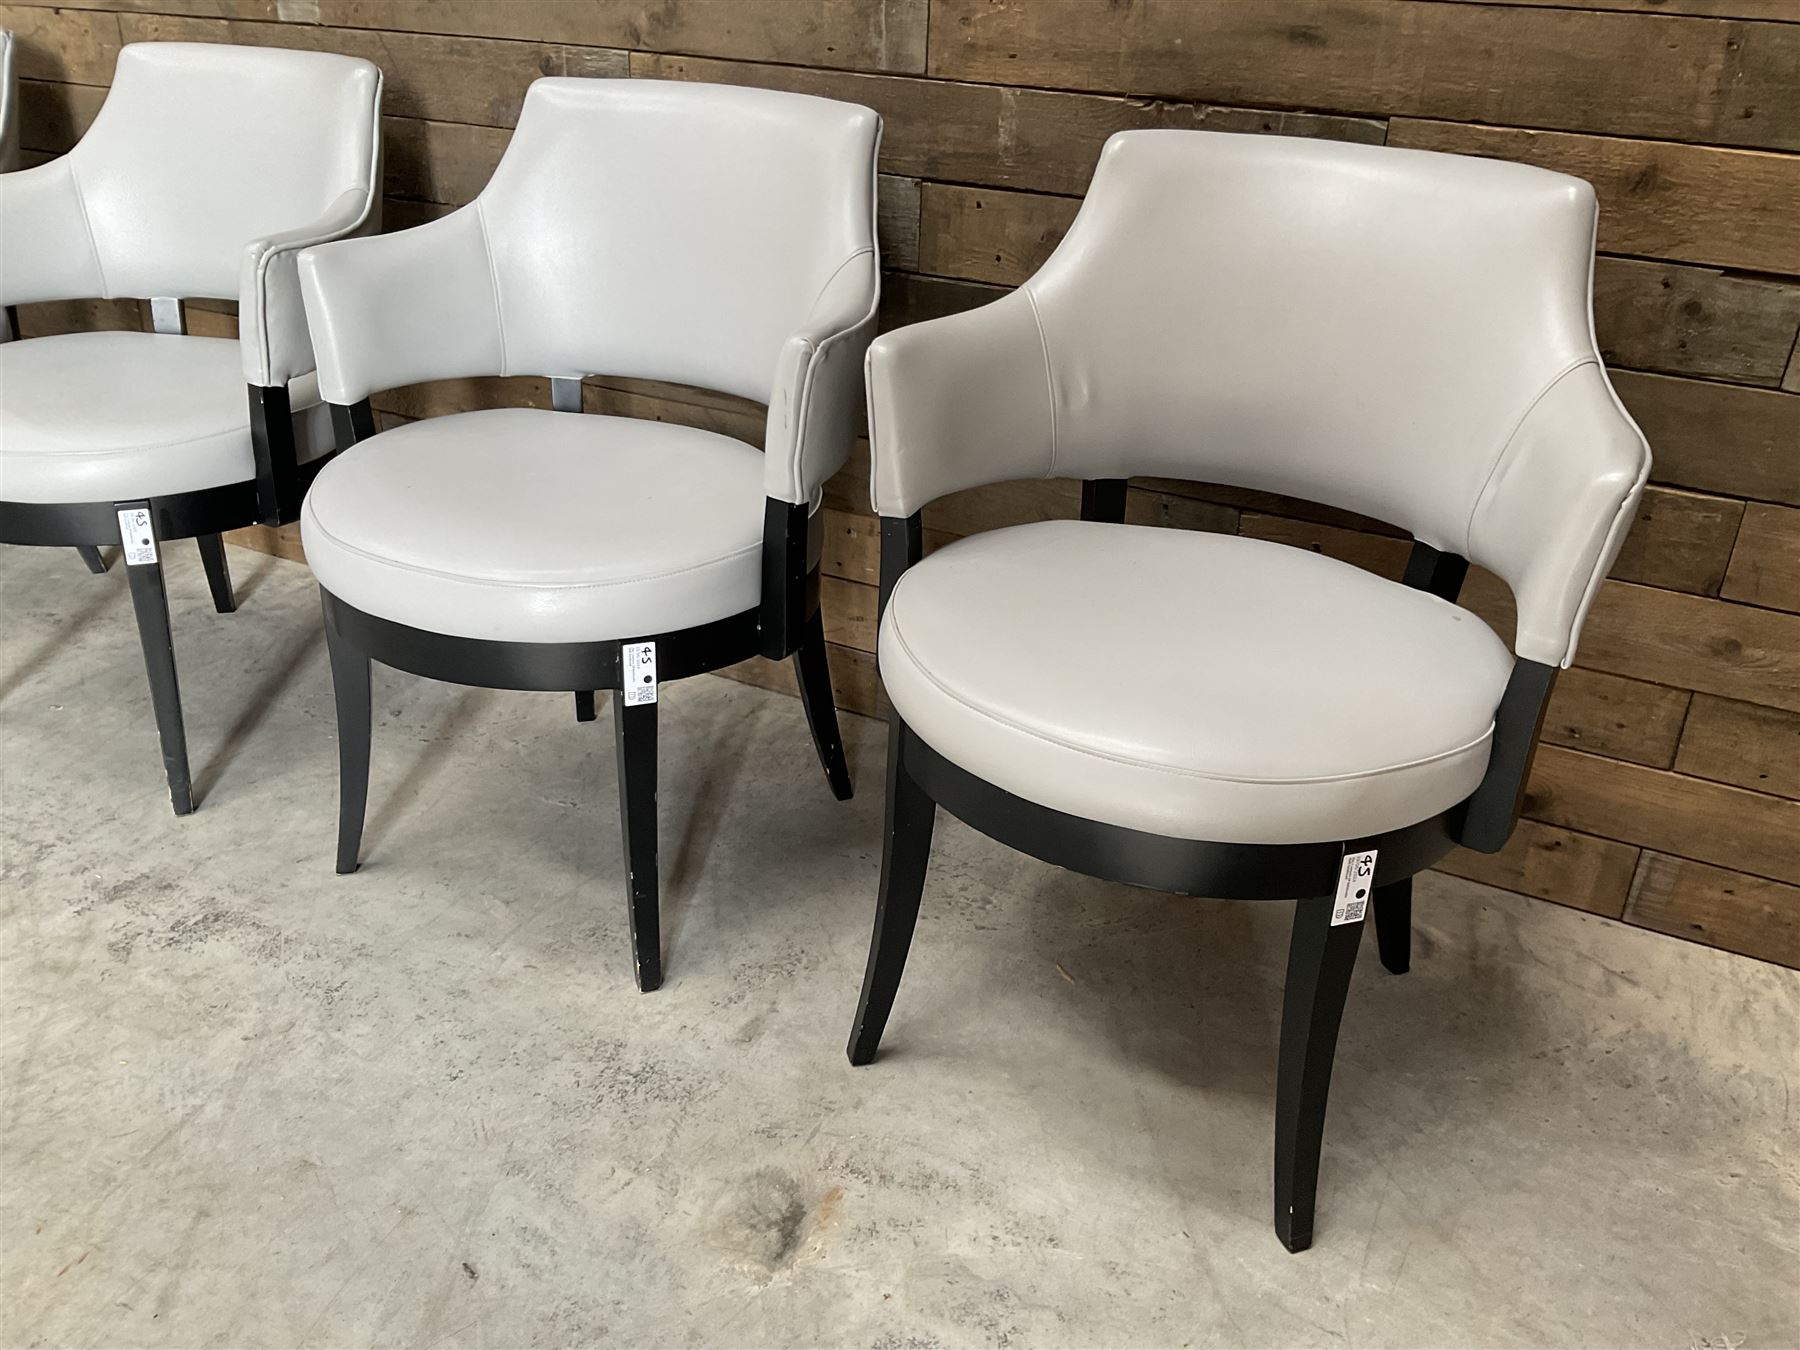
column 1668, row 794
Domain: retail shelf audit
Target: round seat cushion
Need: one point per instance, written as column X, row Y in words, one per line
column 1199, row 686
column 99, row 417
column 523, row 525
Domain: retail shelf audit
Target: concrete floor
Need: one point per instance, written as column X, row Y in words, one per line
column 248, row 1102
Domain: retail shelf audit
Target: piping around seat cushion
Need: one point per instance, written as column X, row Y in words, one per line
column 522, row 525
column 97, row 417
column 1199, row 686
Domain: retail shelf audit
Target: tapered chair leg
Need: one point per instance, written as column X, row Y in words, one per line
column 218, row 572
column 91, row 555
column 905, row 856
column 151, row 602
column 634, row 734
column 584, row 705
column 1321, row 957
column 1393, row 925
column 814, row 675
column 350, row 684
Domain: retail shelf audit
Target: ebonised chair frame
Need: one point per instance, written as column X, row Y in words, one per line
column 786, row 623
column 272, row 497
column 1321, row 955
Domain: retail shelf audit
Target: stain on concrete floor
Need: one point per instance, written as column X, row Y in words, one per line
column 248, row 1102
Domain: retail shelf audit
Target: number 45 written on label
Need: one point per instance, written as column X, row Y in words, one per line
column 136, row 536
column 1356, row 878
column 638, row 678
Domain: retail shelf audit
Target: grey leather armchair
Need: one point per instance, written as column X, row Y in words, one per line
column 704, row 235
column 206, row 171
column 1401, row 334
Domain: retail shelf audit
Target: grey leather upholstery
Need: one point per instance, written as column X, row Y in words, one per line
column 518, row 524
column 1396, row 332
column 712, row 236
column 1200, row 686
column 1401, row 334
column 206, row 170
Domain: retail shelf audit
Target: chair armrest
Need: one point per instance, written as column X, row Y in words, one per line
column 394, row 309
column 812, row 409
column 1557, row 507
column 271, row 319
column 49, row 252
column 958, row 402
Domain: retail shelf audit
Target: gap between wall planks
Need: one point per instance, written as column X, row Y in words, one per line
column 1668, row 792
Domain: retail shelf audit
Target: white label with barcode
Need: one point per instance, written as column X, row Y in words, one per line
column 639, row 676
column 1356, row 878
column 136, row 536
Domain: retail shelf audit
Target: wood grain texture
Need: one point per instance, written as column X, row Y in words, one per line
column 1765, row 565
column 1578, row 870
column 1720, row 908
column 1742, row 744
column 1681, row 79
column 1717, row 437
column 1654, row 808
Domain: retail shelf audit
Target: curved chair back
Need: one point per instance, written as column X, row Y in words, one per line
column 1403, row 334
column 661, row 230
column 199, row 149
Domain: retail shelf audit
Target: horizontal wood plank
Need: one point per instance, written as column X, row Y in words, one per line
column 1680, row 79
column 974, row 133
column 1721, row 908
column 1690, row 203
column 1717, row 437
column 1765, row 565
column 1578, row 870
column 1742, row 744
column 1670, row 812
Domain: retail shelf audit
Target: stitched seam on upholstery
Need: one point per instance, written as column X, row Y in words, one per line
column 1167, row 768
column 804, row 404
column 487, row 249
column 529, row 585
column 1506, row 447
column 88, row 226
column 1049, row 376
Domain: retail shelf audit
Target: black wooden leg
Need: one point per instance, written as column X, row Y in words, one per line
column 814, row 674
column 634, row 733
column 91, row 555
column 1320, row 959
column 151, row 602
column 350, row 683
column 218, row 572
column 584, row 705
column 905, row 855
column 1393, row 925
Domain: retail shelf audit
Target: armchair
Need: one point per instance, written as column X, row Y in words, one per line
column 704, row 235
column 205, row 172
column 1401, row 334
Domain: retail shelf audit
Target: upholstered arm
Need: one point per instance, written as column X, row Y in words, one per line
column 271, row 318
column 49, row 251
column 812, row 409
column 1557, row 506
column 394, row 309
column 958, row 402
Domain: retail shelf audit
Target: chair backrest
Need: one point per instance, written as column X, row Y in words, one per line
column 673, row 231
column 201, row 148
column 1358, row 325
